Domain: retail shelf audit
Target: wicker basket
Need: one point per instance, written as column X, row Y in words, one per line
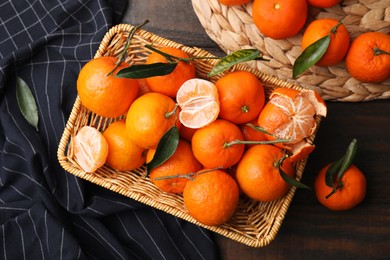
column 254, row 224
column 232, row 29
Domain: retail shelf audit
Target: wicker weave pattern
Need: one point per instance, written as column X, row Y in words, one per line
column 254, row 224
column 232, row 29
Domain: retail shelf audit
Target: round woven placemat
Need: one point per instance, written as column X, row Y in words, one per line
column 232, row 29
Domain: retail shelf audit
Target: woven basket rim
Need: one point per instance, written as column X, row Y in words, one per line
column 107, row 177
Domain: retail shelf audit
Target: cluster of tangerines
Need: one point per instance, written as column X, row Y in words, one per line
column 325, row 41
column 231, row 139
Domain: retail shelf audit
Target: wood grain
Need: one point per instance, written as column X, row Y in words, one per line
column 309, row 231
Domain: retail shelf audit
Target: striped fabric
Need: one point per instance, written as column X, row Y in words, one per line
column 45, row 212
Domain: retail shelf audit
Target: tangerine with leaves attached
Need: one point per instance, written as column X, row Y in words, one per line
column 102, row 92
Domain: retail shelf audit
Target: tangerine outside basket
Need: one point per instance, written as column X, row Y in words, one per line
column 254, row 224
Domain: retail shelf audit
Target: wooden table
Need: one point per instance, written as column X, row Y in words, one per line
column 309, row 230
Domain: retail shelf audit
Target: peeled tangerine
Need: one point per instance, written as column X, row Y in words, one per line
column 90, row 148
column 290, row 114
column 199, row 103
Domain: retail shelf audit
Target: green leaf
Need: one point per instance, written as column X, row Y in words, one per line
column 339, row 167
column 311, row 55
column 26, row 102
column 332, row 172
column 233, row 59
column 165, row 148
column 146, row 70
column 292, row 181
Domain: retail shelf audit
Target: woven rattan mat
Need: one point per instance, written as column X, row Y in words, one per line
column 232, row 29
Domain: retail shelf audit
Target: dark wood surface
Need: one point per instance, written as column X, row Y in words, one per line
column 309, row 230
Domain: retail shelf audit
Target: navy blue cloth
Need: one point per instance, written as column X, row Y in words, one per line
column 45, row 212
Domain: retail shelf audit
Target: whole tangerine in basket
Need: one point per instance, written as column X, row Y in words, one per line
column 90, row 148
column 368, row 58
column 215, row 145
column 241, row 96
column 123, row 153
column 279, row 19
column 323, row 3
column 339, row 39
column 258, row 176
column 290, row 115
column 102, row 92
column 233, row 2
column 181, row 162
column 211, row 197
column 199, row 103
column 169, row 84
column 149, row 117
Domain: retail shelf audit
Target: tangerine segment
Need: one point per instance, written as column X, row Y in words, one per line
column 212, row 197
column 90, row 148
column 199, row 103
column 149, row 118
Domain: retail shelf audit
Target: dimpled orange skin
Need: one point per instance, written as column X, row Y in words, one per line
column 123, row 153
column 241, row 96
column 362, row 62
column 105, row 95
column 279, row 19
column 169, row 84
column 212, row 197
column 233, row 2
column 339, row 41
column 323, row 3
column 146, row 120
column 350, row 195
column 181, row 162
column 257, row 175
column 208, row 144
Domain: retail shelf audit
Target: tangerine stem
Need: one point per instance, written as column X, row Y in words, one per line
column 169, row 114
column 189, row 176
column 339, row 186
column 234, row 142
column 334, row 28
column 378, row 51
column 127, row 44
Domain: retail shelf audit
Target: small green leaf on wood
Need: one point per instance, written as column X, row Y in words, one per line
column 141, row 71
column 26, row 102
column 165, row 148
column 311, row 55
column 234, row 58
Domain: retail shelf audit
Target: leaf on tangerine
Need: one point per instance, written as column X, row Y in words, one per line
column 311, row 55
column 339, row 167
column 291, row 181
column 165, row 149
column 234, row 58
column 141, row 71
